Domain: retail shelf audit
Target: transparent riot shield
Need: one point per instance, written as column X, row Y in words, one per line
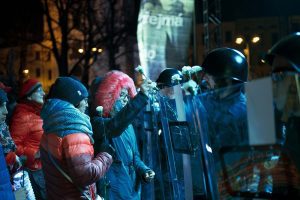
column 254, row 134
column 187, row 157
column 235, row 142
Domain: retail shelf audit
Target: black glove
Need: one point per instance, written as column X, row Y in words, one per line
column 108, row 148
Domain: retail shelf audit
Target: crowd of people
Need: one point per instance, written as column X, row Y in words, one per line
column 53, row 147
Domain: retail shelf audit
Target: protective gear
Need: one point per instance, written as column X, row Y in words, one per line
column 165, row 78
column 224, row 63
column 288, row 48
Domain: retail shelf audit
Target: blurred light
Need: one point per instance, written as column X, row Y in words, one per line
column 100, row 50
column 94, row 49
column 238, row 59
column 262, row 60
column 159, row 131
column 208, row 148
column 275, row 157
column 80, row 50
column 255, row 39
column 26, row 71
column 239, row 40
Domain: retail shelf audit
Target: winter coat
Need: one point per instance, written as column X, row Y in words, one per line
column 5, row 185
column 8, row 145
column 68, row 139
column 19, row 177
column 26, row 130
column 126, row 171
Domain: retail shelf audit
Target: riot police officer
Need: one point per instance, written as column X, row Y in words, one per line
column 183, row 141
column 284, row 59
column 226, row 70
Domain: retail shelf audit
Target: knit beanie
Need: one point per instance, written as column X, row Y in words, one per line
column 68, row 89
column 29, row 87
column 3, row 96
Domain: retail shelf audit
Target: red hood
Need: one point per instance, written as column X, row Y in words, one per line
column 109, row 90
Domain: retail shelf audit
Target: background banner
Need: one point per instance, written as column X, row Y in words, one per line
column 164, row 32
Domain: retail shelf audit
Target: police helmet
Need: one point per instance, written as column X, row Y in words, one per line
column 224, row 63
column 165, row 78
column 289, row 48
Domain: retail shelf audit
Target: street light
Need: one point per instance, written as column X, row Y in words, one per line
column 80, row 50
column 247, row 41
column 26, row 71
column 255, row 39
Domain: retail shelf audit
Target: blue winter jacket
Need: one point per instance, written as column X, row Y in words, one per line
column 125, row 173
column 5, row 185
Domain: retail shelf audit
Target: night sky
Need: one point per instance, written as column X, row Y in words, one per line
column 20, row 17
column 237, row 9
column 234, row 9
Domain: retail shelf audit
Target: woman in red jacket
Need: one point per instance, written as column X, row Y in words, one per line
column 26, row 130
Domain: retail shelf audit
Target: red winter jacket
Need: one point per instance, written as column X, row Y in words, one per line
column 26, row 129
column 68, row 140
column 74, row 153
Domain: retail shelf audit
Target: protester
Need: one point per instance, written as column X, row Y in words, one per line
column 26, row 131
column 6, row 191
column 67, row 152
column 19, row 177
column 117, row 95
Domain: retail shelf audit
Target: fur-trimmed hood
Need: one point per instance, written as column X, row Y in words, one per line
column 110, row 88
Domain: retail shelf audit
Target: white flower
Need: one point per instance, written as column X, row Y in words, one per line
column 196, row 69
column 153, row 84
column 190, row 87
column 139, row 69
column 186, row 69
column 176, row 78
column 99, row 109
column 156, row 106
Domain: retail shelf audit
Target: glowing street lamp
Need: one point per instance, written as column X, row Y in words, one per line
column 26, row 71
column 239, row 40
column 254, row 40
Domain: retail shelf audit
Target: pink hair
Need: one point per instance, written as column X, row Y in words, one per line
column 110, row 88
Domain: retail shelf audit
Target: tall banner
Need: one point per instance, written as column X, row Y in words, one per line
column 164, row 32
